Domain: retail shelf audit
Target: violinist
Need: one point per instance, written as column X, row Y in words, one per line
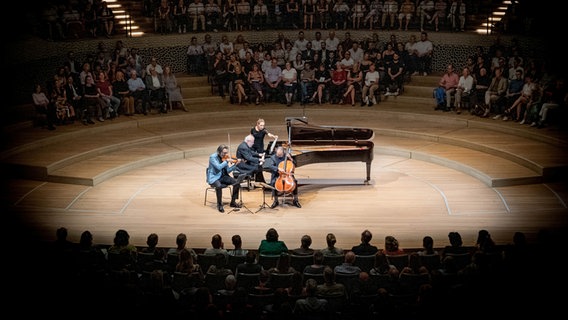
column 251, row 161
column 283, row 172
column 220, row 165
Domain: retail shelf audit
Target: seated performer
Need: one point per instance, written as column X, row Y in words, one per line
column 275, row 160
column 250, row 161
column 220, row 165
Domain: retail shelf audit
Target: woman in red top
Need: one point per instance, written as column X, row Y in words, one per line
column 104, row 88
column 338, row 84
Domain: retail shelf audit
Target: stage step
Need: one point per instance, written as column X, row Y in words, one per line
column 495, row 158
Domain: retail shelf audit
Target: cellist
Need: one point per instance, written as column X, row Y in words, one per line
column 284, row 171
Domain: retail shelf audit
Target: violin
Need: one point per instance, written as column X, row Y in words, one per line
column 285, row 181
column 231, row 159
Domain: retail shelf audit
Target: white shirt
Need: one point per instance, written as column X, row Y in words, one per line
column 371, row 77
column 331, row 44
column 466, row 83
column 290, row 75
column 423, row 47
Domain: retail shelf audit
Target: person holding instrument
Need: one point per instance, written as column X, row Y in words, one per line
column 220, row 165
column 282, row 167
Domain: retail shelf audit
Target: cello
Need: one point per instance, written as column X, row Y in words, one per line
column 285, row 181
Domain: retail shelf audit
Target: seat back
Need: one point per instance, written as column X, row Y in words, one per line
column 268, row 261
column 385, row 281
column 347, row 280
column 248, row 280
column 365, row 262
column 205, row 261
column 333, row 261
column 461, row 260
column 299, row 262
column 431, row 261
column 215, row 281
column 400, row 261
column 234, row 261
column 316, row 276
column 119, row 261
column 172, row 261
column 409, row 283
column 182, row 281
column 145, row 261
column 280, row 280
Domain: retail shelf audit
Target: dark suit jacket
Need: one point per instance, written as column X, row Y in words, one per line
column 251, row 160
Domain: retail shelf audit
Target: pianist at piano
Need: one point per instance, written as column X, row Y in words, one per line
column 251, row 161
column 273, row 165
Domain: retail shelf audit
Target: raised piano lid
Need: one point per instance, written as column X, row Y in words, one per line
column 300, row 130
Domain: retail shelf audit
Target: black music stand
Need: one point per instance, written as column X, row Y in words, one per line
column 239, row 181
column 264, row 205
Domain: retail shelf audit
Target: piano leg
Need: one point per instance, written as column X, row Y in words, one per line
column 368, row 173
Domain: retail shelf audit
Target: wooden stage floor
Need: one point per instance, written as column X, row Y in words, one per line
column 431, row 174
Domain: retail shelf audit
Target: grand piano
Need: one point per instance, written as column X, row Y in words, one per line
column 310, row 143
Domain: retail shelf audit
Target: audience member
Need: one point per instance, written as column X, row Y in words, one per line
column 331, row 249
column 217, row 246
column 250, row 265
column 304, row 249
column 282, row 265
column 495, row 93
column 238, row 246
column 138, row 91
column 330, row 288
column 391, row 246
column 555, row 97
column 446, row 89
column 271, row 245
column 464, row 89
column 365, row 247
column 42, row 105
column 514, row 88
column 348, row 267
column 311, row 305
column 181, row 243
column 317, row 266
column 456, row 244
